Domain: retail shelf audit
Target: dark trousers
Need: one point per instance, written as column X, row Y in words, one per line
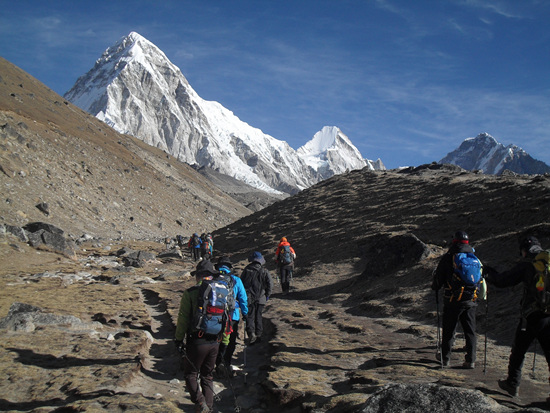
column 254, row 320
column 196, row 253
column 201, row 359
column 230, row 348
column 465, row 312
column 535, row 327
column 285, row 273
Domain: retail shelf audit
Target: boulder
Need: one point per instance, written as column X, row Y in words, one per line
column 431, row 397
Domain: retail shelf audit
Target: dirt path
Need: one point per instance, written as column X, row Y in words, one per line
column 319, row 355
column 327, row 355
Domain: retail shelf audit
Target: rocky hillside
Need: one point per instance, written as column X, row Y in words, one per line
column 89, row 178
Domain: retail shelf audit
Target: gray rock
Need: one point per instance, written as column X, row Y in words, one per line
column 25, row 318
column 429, row 398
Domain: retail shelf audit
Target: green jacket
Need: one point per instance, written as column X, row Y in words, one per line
column 187, row 312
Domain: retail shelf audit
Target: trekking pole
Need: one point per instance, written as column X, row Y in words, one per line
column 438, row 329
column 534, row 359
column 486, row 328
column 237, row 407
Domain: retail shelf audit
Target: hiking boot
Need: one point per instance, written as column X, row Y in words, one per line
column 469, row 365
column 508, row 388
column 202, row 408
column 445, row 364
column 253, row 339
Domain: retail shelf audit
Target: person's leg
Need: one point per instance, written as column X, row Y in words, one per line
column 251, row 320
column 543, row 337
column 232, row 344
column 468, row 322
column 191, row 365
column 450, row 319
column 209, row 353
column 259, row 321
column 522, row 342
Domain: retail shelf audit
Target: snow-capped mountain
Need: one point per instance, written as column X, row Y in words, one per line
column 135, row 89
column 330, row 152
column 486, row 154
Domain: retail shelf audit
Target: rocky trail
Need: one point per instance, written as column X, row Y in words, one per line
column 319, row 353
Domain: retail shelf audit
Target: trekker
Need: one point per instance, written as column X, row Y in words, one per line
column 285, row 256
column 200, row 350
column 227, row 347
column 258, row 284
column 206, row 248
column 194, row 246
column 459, row 297
column 535, row 316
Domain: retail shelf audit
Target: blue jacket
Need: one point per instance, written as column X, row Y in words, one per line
column 241, row 300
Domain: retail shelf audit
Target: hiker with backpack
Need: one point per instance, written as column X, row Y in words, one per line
column 227, row 347
column 194, row 246
column 203, row 319
column 258, row 284
column 206, row 248
column 285, row 256
column 459, row 272
column 533, row 272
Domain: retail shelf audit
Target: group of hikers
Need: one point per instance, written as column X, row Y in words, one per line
column 210, row 313
column 465, row 279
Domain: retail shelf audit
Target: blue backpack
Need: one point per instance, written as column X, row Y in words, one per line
column 466, row 277
column 285, row 256
column 215, row 306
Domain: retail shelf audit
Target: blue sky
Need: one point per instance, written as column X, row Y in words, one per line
column 406, row 81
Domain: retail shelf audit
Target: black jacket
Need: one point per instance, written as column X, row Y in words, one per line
column 257, row 283
column 523, row 272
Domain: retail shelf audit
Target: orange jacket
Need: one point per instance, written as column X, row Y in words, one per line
column 281, row 245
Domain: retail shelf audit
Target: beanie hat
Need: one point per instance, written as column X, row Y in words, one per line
column 256, row 257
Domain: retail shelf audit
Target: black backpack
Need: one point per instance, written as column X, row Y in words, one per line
column 253, row 282
column 539, row 286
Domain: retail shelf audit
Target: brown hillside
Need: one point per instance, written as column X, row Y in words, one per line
column 93, row 179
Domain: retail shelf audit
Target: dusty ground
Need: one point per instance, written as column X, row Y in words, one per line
column 321, row 354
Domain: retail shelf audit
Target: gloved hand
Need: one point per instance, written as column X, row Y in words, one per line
column 267, row 298
column 180, row 347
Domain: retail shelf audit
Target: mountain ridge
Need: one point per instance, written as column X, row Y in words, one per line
column 485, row 153
column 137, row 90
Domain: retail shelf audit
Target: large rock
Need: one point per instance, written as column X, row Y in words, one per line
column 429, row 398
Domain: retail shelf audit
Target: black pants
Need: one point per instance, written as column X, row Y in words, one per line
column 254, row 320
column 196, row 253
column 535, row 327
column 285, row 273
column 201, row 359
column 230, row 348
column 465, row 312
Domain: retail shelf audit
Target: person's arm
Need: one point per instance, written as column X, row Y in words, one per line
column 241, row 296
column 268, row 283
column 508, row 278
column 184, row 315
column 441, row 272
